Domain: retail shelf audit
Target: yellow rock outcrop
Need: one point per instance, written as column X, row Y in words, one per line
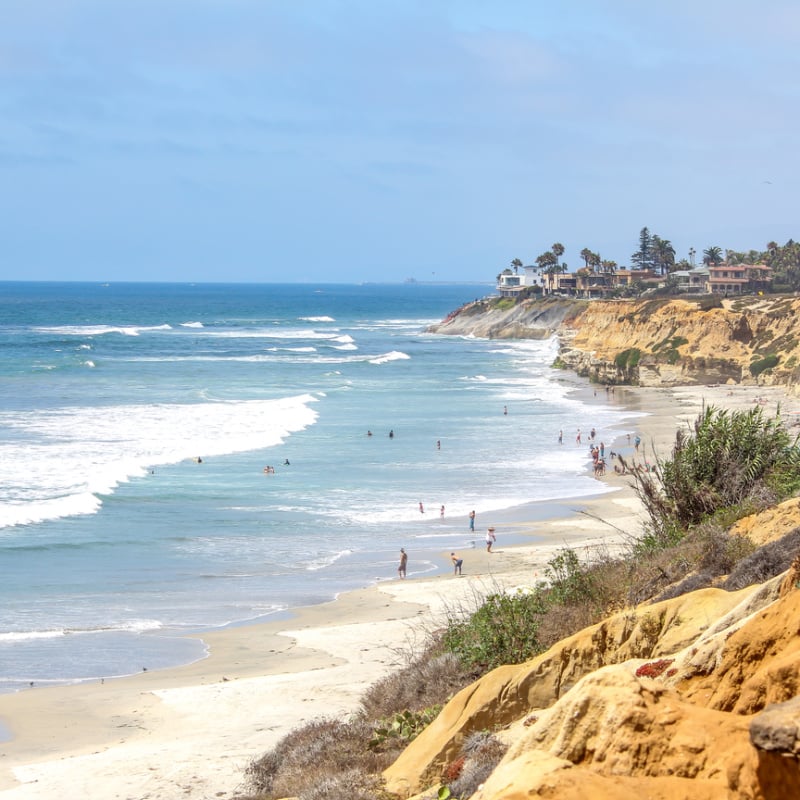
column 585, row 719
column 657, row 342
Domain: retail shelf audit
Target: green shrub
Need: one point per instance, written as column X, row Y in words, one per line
column 502, row 631
column 728, row 458
column 768, row 362
column 569, row 582
column 629, row 358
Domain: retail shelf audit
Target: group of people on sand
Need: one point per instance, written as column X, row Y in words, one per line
column 491, row 538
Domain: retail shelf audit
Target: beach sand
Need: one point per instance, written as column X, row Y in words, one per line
column 190, row 732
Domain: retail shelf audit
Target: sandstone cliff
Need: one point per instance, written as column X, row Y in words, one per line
column 657, row 342
column 691, row 697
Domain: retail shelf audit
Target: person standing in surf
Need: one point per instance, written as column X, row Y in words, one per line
column 401, row 569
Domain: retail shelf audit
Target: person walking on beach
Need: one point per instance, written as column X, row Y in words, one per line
column 561, row 437
column 401, row 569
column 490, row 539
column 457, row 562
column 472, row 520
column 441, row 512
column 421, row 507
column 578, row 437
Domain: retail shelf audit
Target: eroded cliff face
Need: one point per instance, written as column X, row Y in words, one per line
column 677, row 343
column 696, row 696
column 656, row 342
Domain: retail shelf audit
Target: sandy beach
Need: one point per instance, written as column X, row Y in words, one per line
column 191, row 731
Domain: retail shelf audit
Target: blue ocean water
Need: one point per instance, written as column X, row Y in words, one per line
column 136, row 421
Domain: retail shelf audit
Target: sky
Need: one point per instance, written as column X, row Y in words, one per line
column 379, row 140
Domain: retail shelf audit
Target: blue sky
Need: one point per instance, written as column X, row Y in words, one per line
column 313, row 140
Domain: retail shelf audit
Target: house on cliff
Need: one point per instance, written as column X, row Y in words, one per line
column 587, row 283
column 512, row 284
column 738, row 278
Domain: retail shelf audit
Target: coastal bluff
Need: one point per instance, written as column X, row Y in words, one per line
column 658, row 342
column 695, row 696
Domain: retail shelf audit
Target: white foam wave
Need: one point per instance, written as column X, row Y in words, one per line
column 131, row 626
column 346, row 347
column 316, row 319
column 72, row 457
column 191, row 324
column 24, row 636
column 394, row 355
column 271, row 333
column 89, row 363
column 100, row 330
column 326, row 561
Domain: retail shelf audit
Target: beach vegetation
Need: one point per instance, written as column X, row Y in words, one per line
column 728, row 459
column 480, row 754
column 628, row 359
column 763, row 364
column 404, row 726
column 502, row 630
column 324, row 758
column 504, row 303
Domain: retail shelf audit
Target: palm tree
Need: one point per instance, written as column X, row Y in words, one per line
column 547, row 263
column 664, row 254
column 558, row 250
column 712, row 256
column 586, row 255
column 516, row 264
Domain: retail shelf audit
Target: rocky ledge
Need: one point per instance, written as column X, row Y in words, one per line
column 654, row 342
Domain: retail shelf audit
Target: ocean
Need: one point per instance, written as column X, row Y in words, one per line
column 137, row 421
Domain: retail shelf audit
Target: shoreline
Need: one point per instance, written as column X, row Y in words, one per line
column 191, row 730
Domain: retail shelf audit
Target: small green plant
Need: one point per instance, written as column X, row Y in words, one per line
column 404, row 726
column 569, row 581
column 629, row 358
column 763, row 364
